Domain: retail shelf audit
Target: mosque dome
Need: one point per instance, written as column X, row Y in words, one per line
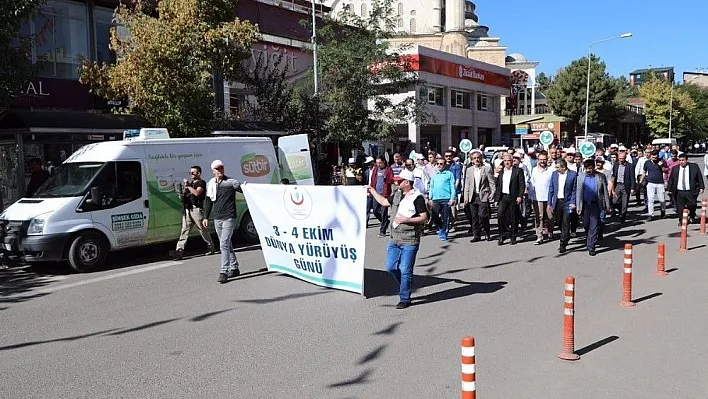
column 515, row 57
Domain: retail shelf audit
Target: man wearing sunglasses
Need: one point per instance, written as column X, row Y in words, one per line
column 442, row 197
column 193, row 212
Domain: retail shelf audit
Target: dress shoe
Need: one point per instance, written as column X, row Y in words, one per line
column 234, row 273
column 176, row 254
column 489, row 237
column 500, row 242
column 403, row 305
column 475, row 239
column 562, row 249
column 592, row 252
column 513, row 240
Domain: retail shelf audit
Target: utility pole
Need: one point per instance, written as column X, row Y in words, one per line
column 314, row 46
column 671, row 107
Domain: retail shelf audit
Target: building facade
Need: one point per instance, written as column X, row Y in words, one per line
column 461, row 96
column 637, row 77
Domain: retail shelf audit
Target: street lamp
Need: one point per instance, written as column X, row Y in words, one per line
column 587, row 92
column 314, row 46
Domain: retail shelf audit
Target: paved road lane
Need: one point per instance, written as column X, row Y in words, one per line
column 167, row 329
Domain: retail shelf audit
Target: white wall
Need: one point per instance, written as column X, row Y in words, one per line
column 423, row 15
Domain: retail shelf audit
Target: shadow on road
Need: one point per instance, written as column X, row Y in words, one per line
column 65, row 339
column 281, row 298
column 647, row 297
column 390, row 330
column 372, row 355
column 17, row 284
column 596, row 345
column 205, row 316
column 144, row 326
column 362, row 378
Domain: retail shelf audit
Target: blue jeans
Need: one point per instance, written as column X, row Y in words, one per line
column 225, row 230
column 399, row 264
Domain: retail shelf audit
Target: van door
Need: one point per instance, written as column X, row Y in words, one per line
column 123, row 207
column 294, row 159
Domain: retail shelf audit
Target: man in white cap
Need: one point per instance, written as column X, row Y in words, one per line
column 410, row 216
column 221, row 203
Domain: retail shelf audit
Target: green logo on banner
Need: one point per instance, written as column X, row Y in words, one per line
column 546, row 138
column 465, row 145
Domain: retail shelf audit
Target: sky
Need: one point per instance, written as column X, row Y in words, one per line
column 556, row 32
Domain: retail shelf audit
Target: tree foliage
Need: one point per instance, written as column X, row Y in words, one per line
column 661, row 102
column 166, row 63
column 697, row 121
column 543, row 82
column 15, row 49
column 566, row 95
column 360, row 73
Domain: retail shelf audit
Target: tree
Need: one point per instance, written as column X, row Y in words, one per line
column 543, row 82
column 566, row 95
column 167, row 63
column 15, row 48
column 360, row 72
column 697, row 121
column 661, row 102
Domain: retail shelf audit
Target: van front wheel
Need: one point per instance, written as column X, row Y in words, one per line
column 247, row 229
column 87, row 252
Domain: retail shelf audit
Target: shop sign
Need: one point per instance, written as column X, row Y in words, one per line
column 454, row 70
column 54, row 93
column 522, row 130
column 539, row 127
column 272, row 55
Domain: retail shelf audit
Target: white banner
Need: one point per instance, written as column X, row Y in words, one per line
column 314, row 233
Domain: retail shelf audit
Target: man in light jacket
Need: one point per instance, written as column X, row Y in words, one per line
column 539, row 181
column 479, row 190
column 592, row 197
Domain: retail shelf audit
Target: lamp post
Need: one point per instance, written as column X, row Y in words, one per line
column 314, row 45
column 671, row 107
column 587, row 92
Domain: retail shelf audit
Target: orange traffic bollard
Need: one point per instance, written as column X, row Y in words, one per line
column 661, row 261
column 469, row 389
column 627, row 277
column 683, row 247
column 703, row 216
column 569, row 321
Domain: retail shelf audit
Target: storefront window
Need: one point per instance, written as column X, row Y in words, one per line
column 62, row 38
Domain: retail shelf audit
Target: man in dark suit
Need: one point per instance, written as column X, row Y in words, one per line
column 510, row 190
column 479, row 191
column 686, row 184
column 561, row 199
column 622, row 184
column 592, row 197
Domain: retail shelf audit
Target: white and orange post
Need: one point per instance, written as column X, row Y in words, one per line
column 704, row 205
column 568, row 352
column 683, row 247
column 469, row 378
column 627, row 277
column 661, row 261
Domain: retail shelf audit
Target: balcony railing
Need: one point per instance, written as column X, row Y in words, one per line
column 539, row 109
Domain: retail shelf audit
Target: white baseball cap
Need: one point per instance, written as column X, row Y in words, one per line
column 613, row 145
column 217, row 164
column 369, row 159
column 622, row 148
column 405, row 175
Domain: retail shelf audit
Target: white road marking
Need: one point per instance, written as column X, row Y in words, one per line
column 156, row 266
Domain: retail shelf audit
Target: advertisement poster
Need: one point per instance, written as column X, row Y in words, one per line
column 314, row 233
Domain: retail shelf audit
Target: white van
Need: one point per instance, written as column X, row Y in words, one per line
column 122, row 194
column 664, row 141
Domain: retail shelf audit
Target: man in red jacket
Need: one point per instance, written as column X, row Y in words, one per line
column 381, row 179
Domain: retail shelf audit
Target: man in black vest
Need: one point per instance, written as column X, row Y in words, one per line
column 193, row 212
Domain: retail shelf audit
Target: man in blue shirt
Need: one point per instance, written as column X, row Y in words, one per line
column 456, row 169
column 442, row 197
column 592, row 197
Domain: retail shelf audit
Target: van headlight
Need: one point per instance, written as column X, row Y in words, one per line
column 36, row 226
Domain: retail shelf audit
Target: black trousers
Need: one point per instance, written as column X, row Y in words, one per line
column 477, row 213
column 686, row 200
column 562, row 215
column 621, row 199
column 381, row 213
column 507, row 211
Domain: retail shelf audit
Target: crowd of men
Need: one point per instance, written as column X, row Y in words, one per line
column 556, row 190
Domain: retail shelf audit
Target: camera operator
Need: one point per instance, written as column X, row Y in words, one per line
column 192, row 214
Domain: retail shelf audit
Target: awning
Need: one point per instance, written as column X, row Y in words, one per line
column 69, row 122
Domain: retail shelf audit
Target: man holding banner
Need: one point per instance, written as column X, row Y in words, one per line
column 410, row 216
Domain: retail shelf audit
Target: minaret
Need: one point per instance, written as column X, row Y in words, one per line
column 454, row 15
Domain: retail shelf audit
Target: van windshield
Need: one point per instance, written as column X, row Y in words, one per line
column 69, row 180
